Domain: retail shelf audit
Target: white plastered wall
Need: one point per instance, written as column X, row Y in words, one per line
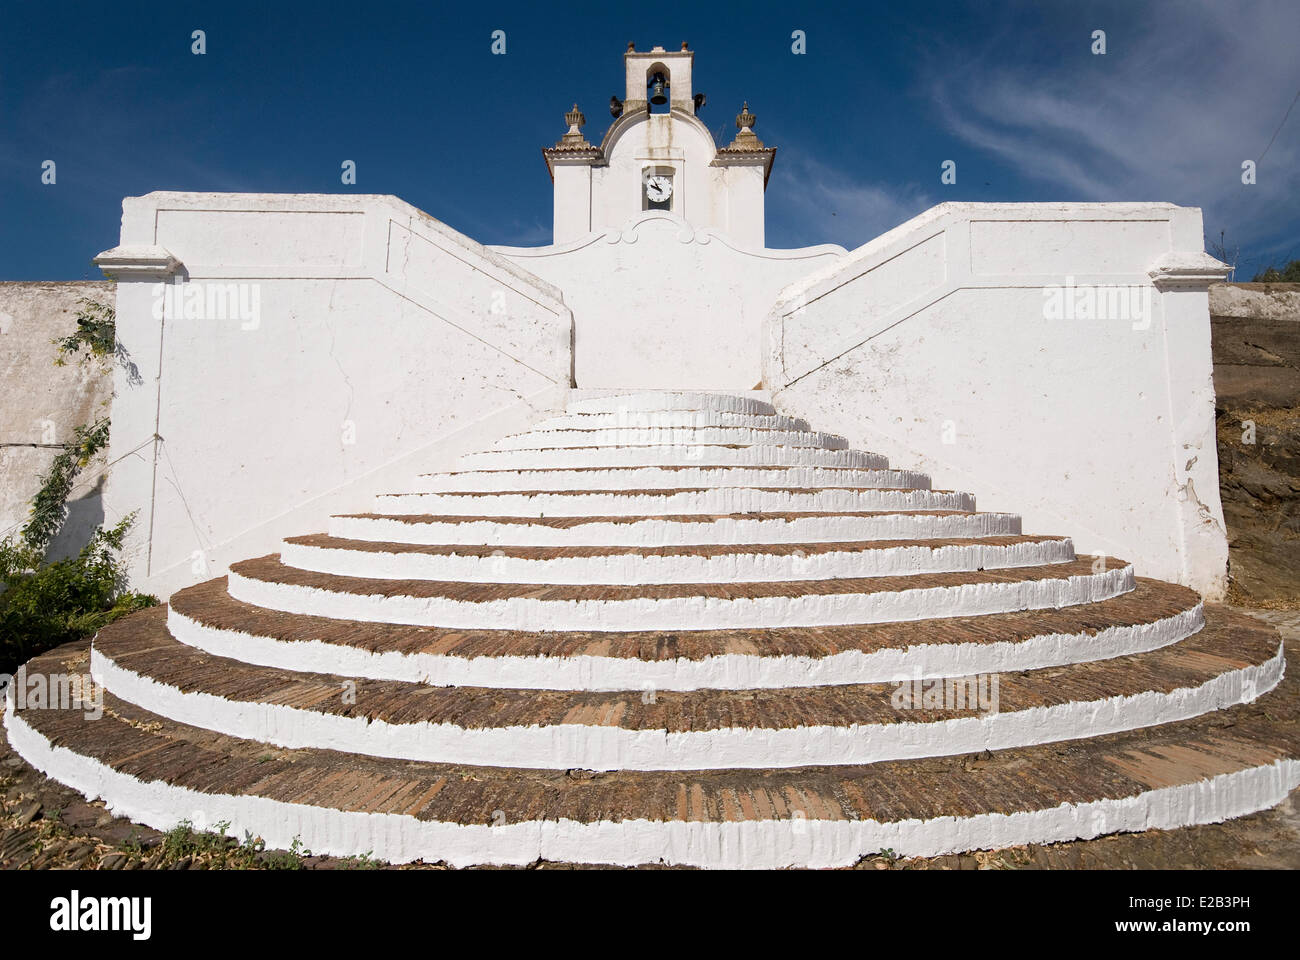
column 678, row 141
column 385, row 344
column 930, row 344
column 660, row 303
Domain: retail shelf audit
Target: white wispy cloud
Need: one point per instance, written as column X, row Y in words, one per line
column 812, row 202
column 1178, row 102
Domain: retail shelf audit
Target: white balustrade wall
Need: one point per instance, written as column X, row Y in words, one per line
column 319, row 349
column 1053, row 359
column 360, row 342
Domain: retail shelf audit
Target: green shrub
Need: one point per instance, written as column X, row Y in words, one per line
column 49, row 506
column 96, row 332
column 45, row 604
column 1288, row 274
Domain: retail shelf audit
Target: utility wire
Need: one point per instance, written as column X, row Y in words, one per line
column 1279, row 126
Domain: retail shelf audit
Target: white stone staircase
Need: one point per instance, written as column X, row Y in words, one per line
column 683, row 628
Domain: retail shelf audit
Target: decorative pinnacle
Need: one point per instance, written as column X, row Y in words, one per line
column 573, row 138
column 746, row 139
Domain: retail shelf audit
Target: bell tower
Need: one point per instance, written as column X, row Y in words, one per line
column 658, row 158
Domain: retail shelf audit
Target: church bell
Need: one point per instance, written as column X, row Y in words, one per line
column 657, row 93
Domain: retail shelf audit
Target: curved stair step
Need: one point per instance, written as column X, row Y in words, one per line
column 907, row 523
column 671, row 400
column 642, row 419
column 628, row 565
column 539, row 439
column 698, row 606
column 1223, row 665
column 680, row 454
column 159, row 772
column 1153, row 615
column 707, row 501
column 664, row 478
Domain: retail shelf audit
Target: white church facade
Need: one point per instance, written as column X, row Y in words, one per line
column 936, row 342
column 710, row 529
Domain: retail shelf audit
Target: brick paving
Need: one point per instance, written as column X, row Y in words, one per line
column 569, row 523
column 143, row 645
column 1110, row 767
column 44, row 824
column 269, row 569
column 690, row 550
column 210, row 604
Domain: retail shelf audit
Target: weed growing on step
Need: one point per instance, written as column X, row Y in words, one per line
column 183, row 847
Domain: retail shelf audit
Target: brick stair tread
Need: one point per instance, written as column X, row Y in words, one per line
column 142, row 645
column 664, row 466
column 594, row 433
column 568, row 522
column 648, row 491
column 209, row 604
column 150, row 748
column 269, row 569
column 325, row 541
column 671, row 444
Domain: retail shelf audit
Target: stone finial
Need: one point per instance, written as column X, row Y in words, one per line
column 573, row 138
column 746, row 139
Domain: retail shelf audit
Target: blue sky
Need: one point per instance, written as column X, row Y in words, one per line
column 411, row 91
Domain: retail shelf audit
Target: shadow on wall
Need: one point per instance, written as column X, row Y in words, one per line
column 85, row 516
column 42, row 403
column 1256, row 338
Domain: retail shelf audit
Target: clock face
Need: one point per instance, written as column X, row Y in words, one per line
column 658, row 188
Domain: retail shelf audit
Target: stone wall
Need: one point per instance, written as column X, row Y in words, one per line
column 1256, row 331
column 42, row 404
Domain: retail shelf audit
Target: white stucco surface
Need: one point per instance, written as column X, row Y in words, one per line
column 931, row 345
column 665, row 304
column 384, row 343
column 600, row 186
